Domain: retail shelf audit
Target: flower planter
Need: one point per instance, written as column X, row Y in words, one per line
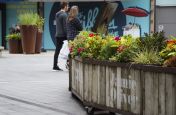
column 38, row 42
column 124, row 87
column 28, row 33
column 15, row 46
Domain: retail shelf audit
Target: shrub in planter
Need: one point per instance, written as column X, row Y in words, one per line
column 40, row 22
column 28, row 28
column 147, row 57
column 86, row 45
column 125, row 50
column 14, row 41
column 153, row 41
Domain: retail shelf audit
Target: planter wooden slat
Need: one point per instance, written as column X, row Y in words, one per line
column 102, row 88
column 170, row 95
column 90, row 83
column 107, row 87
column 162, row 94
column 114, row 86
column 94, row 84
column 138, row 91
column 119, row 97
column 135, row 88
column 86, row 83
column 77, row 78
column 111, row 87
column 148, row 93
column 124, row 88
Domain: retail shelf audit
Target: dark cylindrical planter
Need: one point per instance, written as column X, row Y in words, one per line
column 38, row 42
column 15, row 46
column 28, row 33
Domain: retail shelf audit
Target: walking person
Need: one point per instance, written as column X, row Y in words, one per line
column 61, row 31
column 73, row 26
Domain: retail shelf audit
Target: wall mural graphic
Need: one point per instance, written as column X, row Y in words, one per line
column 87, row 16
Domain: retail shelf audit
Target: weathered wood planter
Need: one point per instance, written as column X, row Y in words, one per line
column 124, row 88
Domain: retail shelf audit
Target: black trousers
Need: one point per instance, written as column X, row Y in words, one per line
column 59, row 43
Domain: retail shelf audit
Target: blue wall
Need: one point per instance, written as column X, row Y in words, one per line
column 142, row 21
column 14, row 9
column 48, row 43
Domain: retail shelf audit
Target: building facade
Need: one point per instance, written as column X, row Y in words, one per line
column 87, row 16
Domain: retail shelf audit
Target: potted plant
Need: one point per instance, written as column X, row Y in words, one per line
column 15, row 45
column 40, row 22
column 28, row 28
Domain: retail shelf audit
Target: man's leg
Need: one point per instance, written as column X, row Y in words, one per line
column 59, row 43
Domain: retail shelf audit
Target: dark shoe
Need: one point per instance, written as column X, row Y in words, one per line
column 57, row 68
column 67, row 65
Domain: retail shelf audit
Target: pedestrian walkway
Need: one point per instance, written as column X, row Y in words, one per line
column 28, row 86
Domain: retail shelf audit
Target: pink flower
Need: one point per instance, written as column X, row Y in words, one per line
column 121, row 48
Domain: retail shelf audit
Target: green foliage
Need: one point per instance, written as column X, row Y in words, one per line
column 15, row 36
column 147, row 57
column 153, row 41
column 108, row 49
column 126, row 55
column 28, row 18
column 86, row 45
column 40, row 23
column 126, row 49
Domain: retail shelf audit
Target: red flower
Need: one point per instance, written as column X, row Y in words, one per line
column 71, row 49
column 80, row 50
column 117, row 38
column 91, row 35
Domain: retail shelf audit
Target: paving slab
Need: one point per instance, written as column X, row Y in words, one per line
column 28, row 85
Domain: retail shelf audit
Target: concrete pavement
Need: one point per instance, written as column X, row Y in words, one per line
column 28, row 86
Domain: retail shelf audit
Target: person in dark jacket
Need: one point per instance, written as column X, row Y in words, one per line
column 73, row 23
column 61, row 31
column 73, row 26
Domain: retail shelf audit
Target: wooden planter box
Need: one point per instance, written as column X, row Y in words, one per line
column 123, row 87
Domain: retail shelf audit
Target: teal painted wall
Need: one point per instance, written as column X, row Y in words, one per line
column 0, row 28
column 166, row 2
column 48, row 43
column 13, row 9
column 142, row 21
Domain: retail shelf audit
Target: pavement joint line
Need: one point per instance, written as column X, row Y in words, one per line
column 34, row 104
